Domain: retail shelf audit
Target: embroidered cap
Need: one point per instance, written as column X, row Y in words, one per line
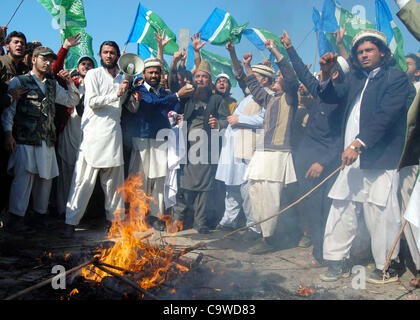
column 370, row 33
column 264, row 70
column 205, row 67
column 152, row 62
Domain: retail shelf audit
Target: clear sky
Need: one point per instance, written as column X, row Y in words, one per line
column 112, row 20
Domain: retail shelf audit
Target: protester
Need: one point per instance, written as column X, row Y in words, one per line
column 3, row 34
column 29, row 49
column 100, row 151
column 149, row 154
column 321, row 139
column 11, row 65
column 205, row 114
column 222, row 87
column 408, row 168
column 373, row 141
column 409, row 14
column 30, row 136
column 266, row 180
column 70, row 134
column 237, row 150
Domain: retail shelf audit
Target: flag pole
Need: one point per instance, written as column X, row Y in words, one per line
column 307, row 35
column 316, row 51
column 14, row 12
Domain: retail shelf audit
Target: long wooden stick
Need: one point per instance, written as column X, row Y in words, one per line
column 14, row 13
column 43, row 283
column 128, row 281
column 393, row 248
column 316, row 50
column 288, row 207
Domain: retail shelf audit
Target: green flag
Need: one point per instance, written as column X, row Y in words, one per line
column 66, row 13
column 69, row 18
column 144, row 27
column 83, row 49
column 354, row 24
column 219, row 64
column 221, row 26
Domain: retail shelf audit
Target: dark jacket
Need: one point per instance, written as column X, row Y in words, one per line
column 8, row 70
column 151, row 116
column 322, row 137
column 383, row 113
column 216, row 106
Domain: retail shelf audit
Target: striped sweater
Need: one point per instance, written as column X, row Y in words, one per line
column 280, row 109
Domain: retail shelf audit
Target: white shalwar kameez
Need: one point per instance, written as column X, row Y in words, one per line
column 33, row 167
column 371, row 191
column 101, row 148
column 67, row 148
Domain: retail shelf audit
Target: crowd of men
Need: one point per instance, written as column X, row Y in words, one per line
column 232, row 163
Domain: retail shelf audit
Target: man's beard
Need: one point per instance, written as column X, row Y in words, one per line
column 17, row 56
column 201, row 93
column 109, row 65
column 155, row 84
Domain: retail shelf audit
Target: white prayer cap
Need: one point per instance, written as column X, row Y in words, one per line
column 370, row 33
column 264, row 70
column 152, row 62
column 222, row 75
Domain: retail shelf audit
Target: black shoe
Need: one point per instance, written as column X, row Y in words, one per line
column 220, row 227
column 336, row 270
column 251, row 236
column 13, row 223
column 37, row 220
column 378, row 276
column 68, row 232
column 262, row 246
column 159, row 225
column 203, row 230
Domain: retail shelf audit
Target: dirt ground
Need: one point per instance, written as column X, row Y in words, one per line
column 226, row 271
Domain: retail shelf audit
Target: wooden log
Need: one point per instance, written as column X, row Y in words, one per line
column 43, row 283
column 128, row 281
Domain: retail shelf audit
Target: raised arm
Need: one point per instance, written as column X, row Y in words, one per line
column 290, row 83
column 173, row 70
column 161, row 42
column 237, row 66
column 62, row 54
column 259, row 94
column 339, row 36
column 197, row 45
column 303, row 73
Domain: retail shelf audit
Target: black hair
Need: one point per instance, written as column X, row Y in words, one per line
column 30, row 47
column 15, row 34
column 386, row 61
column 185, row 74
column 415, row 58
column 112, row 44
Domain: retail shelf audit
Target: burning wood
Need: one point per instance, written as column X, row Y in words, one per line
column 149, row 265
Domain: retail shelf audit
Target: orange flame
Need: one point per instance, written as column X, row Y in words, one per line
column 132, row 252
column 74, row 291
column 305, row 292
